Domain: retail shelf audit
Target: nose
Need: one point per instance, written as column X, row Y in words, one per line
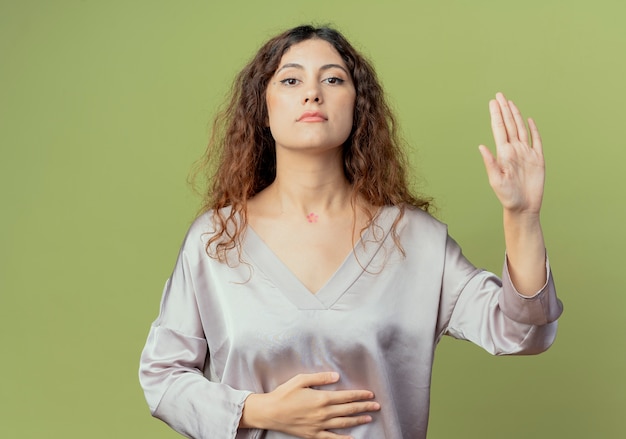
column 312, row 94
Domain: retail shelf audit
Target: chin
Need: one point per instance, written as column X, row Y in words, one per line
column 310, row 144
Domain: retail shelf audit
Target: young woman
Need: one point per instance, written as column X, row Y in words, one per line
column 308, row 299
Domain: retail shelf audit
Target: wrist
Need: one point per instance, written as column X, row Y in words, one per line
column 252, row 415
column 521, row 218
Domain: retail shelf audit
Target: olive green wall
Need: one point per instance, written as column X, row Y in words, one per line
column 104, row 105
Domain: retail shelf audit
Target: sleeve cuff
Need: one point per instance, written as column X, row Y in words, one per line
column 539, row 309
column 200, row 409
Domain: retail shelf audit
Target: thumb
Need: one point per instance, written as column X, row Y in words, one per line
column 491, row 164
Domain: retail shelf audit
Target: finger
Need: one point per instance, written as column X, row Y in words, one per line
column 352, row 409
column 522, row 132
column 497, row 123
column 316, row 379
column 534, row 133
column 331, row 435
column 346, row 396
column 347, row 422
column 507, row 116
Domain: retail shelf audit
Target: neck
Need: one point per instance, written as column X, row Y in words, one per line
column 306, row 185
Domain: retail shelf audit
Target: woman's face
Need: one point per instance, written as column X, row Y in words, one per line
column 310, row 98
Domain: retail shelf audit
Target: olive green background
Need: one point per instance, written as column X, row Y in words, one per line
column 104, row 106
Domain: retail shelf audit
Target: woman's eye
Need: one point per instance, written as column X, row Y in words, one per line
column 333, row 80
column 289, row 81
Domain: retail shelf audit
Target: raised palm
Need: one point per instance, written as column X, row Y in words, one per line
column 517, row 172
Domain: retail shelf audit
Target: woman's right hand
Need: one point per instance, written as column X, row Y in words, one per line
column 297, row 409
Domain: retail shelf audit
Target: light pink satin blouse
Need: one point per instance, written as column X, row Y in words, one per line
column 224, row 332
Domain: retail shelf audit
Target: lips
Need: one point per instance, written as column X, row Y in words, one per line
column 312, row 116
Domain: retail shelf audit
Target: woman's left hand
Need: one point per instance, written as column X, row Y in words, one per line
column 517, row 173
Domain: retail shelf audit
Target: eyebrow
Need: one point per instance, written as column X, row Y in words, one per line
column 324, row 67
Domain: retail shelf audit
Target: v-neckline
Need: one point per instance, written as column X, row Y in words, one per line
column 353, row 266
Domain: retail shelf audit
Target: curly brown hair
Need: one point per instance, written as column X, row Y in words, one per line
column 240, row 160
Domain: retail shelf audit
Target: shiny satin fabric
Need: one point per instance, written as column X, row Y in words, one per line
column 224, row 332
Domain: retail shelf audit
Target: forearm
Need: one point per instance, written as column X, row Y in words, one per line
column 525, row 250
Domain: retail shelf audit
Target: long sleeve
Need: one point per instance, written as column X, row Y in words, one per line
column 173, row 361
column 488, row 311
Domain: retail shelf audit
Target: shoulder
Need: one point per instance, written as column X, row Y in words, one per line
column 418, row 233
column 200, row 231
column 204, row 225
column 412, row 228
column 209, row 230
column 414, row 219
column 200, row 226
